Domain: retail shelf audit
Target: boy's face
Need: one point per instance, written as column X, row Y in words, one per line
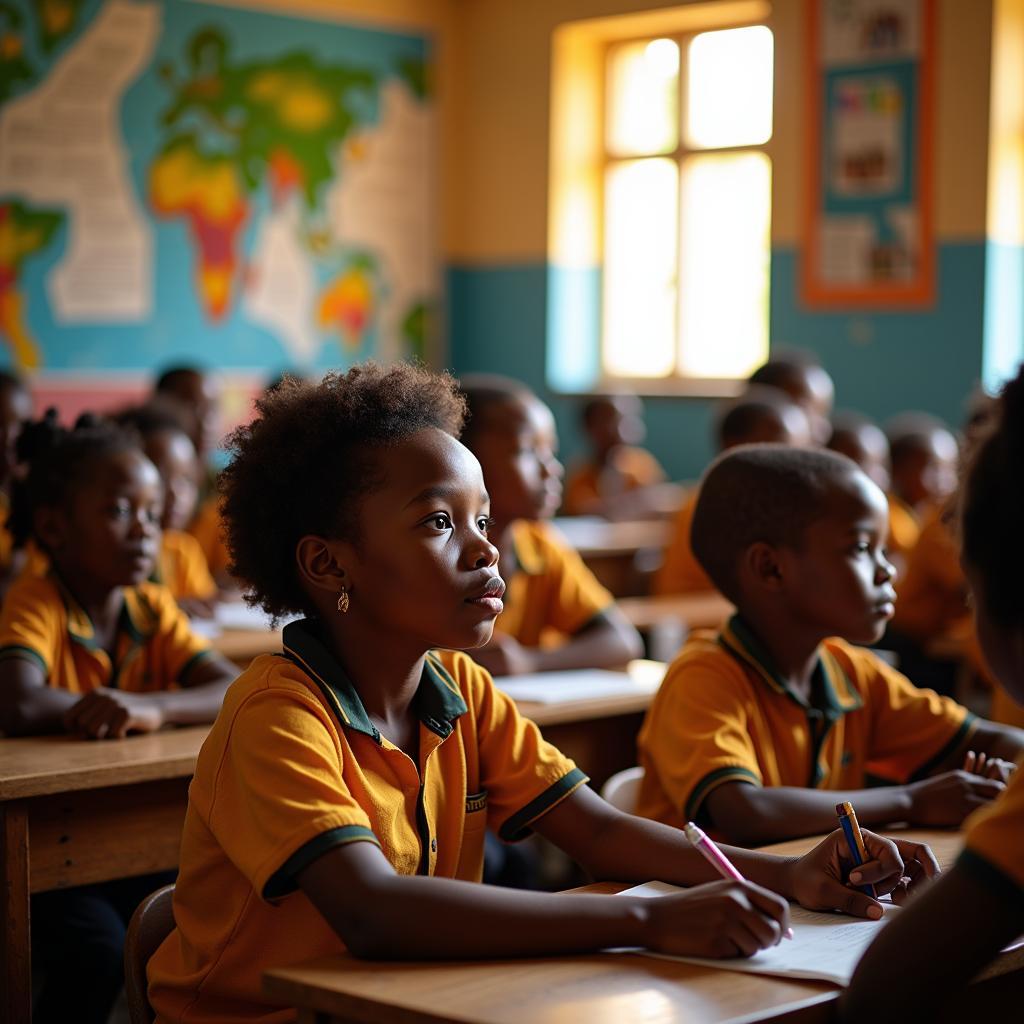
column 928, row 473
column 839, row 581
column 110, row 534
column 423, row 569
column 516, row 447
column 174, row 456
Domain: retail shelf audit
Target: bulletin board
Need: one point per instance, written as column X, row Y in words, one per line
column 868, row 233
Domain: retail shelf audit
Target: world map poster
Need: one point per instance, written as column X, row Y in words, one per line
column 225, row 186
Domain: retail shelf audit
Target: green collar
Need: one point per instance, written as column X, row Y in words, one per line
column 136, row 619
column 832, row 693
column 437, row 704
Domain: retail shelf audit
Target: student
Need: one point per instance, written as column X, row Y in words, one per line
column 92, row 649
column 557, row 616
column 863, row 441
column 181, row 566
column 617, row 473
column 934, row 947
column 761, row 730
column 924, row 457
column 341, row 798
column 15, row 409
column 806, row 381
column 760, row 415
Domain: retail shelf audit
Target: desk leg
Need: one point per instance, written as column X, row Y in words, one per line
column 15, row 947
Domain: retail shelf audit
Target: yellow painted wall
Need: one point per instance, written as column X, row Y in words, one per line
column 502, row 80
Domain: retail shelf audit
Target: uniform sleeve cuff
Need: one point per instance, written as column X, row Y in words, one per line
column 518, row 825
column 711, row 782
column 282, row 882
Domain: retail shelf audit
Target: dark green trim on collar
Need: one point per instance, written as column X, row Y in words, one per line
column 831, row 691
column 694, row 808
column 992, row 877
column 282, row 882
column 437, row 702
column 967, row 726
column 517, row 826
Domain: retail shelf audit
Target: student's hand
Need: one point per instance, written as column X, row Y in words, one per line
column 502, row 655
column 720, row 919
column 112, row 714
column 989, row 767
column 895, row 866
column 948, row 798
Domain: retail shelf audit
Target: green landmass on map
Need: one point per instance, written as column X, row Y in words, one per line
column 56, row 20
column 14, row 68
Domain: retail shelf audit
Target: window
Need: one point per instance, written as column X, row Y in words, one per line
column 686, row 205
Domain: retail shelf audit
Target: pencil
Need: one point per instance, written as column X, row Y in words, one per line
column 854, row 839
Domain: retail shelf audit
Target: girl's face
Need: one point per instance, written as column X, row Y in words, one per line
column 517, row 450
column 109, row 533
column 423, row 569
column 1002, row 646
column 174, row 456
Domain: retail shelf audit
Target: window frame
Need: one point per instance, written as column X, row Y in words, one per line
column 674, row 384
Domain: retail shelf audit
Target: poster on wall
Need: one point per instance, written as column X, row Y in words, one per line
column 206, row 183
column 867, row 227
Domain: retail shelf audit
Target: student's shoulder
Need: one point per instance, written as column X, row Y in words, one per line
column 994, row 844
column 863, row 668
column 703, row 661
column 33, row 587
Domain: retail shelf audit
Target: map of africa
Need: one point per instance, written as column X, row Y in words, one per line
column 221, row 185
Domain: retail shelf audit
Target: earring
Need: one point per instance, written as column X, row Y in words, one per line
column 343, row 601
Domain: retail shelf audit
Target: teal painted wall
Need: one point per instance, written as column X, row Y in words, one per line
column 882, row 363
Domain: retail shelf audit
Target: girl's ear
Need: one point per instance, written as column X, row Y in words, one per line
column 322, row 564
column 761, row 565
column 50, row 526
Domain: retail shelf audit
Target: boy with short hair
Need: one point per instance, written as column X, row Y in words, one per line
column 799, row 374
column 752, row 727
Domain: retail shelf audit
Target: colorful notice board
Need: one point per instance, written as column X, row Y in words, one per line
column 868, row 221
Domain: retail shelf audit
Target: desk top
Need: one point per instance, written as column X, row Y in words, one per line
column 594, row 538
column 695, row 611
column 603, row 988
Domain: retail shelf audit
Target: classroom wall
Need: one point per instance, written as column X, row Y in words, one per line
column 497, row 239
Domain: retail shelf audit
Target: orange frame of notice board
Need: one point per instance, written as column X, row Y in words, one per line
column 918, row 290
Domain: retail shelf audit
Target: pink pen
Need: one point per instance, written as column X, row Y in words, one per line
column 718, row 860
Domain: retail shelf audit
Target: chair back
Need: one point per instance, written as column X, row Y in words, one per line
column 151, row 923
column 623, row 788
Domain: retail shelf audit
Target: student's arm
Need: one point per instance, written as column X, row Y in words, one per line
column 754, row 815
column 607, row 640
column 380, row 914
column 931, row 950
column 112, row 714
column 28, row 707
column 989, row 738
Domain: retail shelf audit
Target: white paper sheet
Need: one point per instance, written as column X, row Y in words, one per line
column 582, row 684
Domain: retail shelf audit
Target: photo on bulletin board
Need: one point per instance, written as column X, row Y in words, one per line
column 868, row 220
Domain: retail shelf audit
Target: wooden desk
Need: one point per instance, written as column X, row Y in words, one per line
column 601, row 989
column 665, row 622
column 622, row 555
column 74, row 812
column 242, row 645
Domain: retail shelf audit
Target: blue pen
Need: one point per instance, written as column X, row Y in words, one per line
column 855, row 841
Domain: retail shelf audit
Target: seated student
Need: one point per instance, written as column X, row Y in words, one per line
column 924, row 455
column 342, row 796
column 863, row 441
column 934, row 947
column 557, row 616
column 760, row 415
column 92, row 649
column 617, row 473
column 806, row 381
column 15, row 409
column 761, row 730
column 181, row 566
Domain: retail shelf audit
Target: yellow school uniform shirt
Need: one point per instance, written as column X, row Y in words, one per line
column 154, row 647
column 292, row 767
column 933, row 591
column 680, row 572
column 723, row 715
column 632, row 468
column 551, row 594
column 182, row 567
column 994, row 845
column 207, row 529
column 904, row 527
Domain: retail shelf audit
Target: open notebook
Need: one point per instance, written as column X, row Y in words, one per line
column 642, row 676
column 826, row 947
